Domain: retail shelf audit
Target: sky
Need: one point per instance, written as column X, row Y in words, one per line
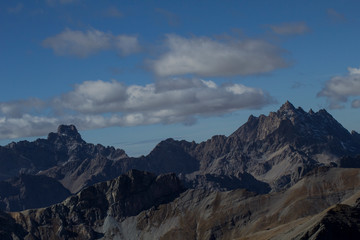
column 129, row 74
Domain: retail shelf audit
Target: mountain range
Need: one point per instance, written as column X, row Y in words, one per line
column 290, row 169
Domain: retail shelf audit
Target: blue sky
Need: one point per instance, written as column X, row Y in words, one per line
column 132, row 73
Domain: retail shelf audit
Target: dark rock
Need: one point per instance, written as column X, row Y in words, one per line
column 79, row 215
column 9, row 229
column 340, row 222
column 30, row 191
column 350, row 162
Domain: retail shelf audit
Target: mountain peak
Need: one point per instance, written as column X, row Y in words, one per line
column 287, row 106
column 68, row 130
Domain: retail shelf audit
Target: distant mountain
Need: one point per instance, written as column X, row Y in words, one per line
column 140, row 205
column 277, row 149
column 59, row 148
column 267, row 153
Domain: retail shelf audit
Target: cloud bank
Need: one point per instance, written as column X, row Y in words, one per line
column 99, row 104
column 206, row 57
column 340, row 88
column 85, row 43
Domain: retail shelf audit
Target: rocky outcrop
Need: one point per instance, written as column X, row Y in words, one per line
column 82, row 215
column 214, row 182
column 9, row 229
column 340, row 222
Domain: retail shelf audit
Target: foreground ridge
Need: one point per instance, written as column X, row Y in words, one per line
column 140, row 205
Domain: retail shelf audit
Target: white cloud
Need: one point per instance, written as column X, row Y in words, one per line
column 203, row 56
column 126, row 44
column 84, row 44
column 339, row 88
column 18, row 108
column 94, row 97
column 353, row 71
column 26, row 126
column 295, row 28
column 98, row 104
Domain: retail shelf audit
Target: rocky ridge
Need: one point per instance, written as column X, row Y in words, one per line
column 277, row 149
column 267, row 153
column 81, row 216
column 140, row 205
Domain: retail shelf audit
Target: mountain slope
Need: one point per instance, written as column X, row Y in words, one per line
column 30, row 191
column 66, row 145
column 277, row 149
column 140, row 205
column 80, row 216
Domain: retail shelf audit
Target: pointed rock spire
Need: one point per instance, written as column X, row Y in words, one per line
column 287, row 106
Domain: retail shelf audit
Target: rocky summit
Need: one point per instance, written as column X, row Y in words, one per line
column 292, row 174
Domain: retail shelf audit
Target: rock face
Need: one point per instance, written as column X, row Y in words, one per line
column 340, row 222
column 277, row 149
column 60, row 156
column 81, row 216
column 140, row 205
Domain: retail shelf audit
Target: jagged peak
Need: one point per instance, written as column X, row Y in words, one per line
column 68, row 131
column 287, row 106
column 251, row 117
column 324, row 112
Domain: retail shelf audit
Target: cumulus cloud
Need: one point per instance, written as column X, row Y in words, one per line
column 93, row 97
column 26, row 126
column 98, row 104
column 84, row 44
column 339, row 88
column 204, row 56
column 295, row 28
column 19, row 107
